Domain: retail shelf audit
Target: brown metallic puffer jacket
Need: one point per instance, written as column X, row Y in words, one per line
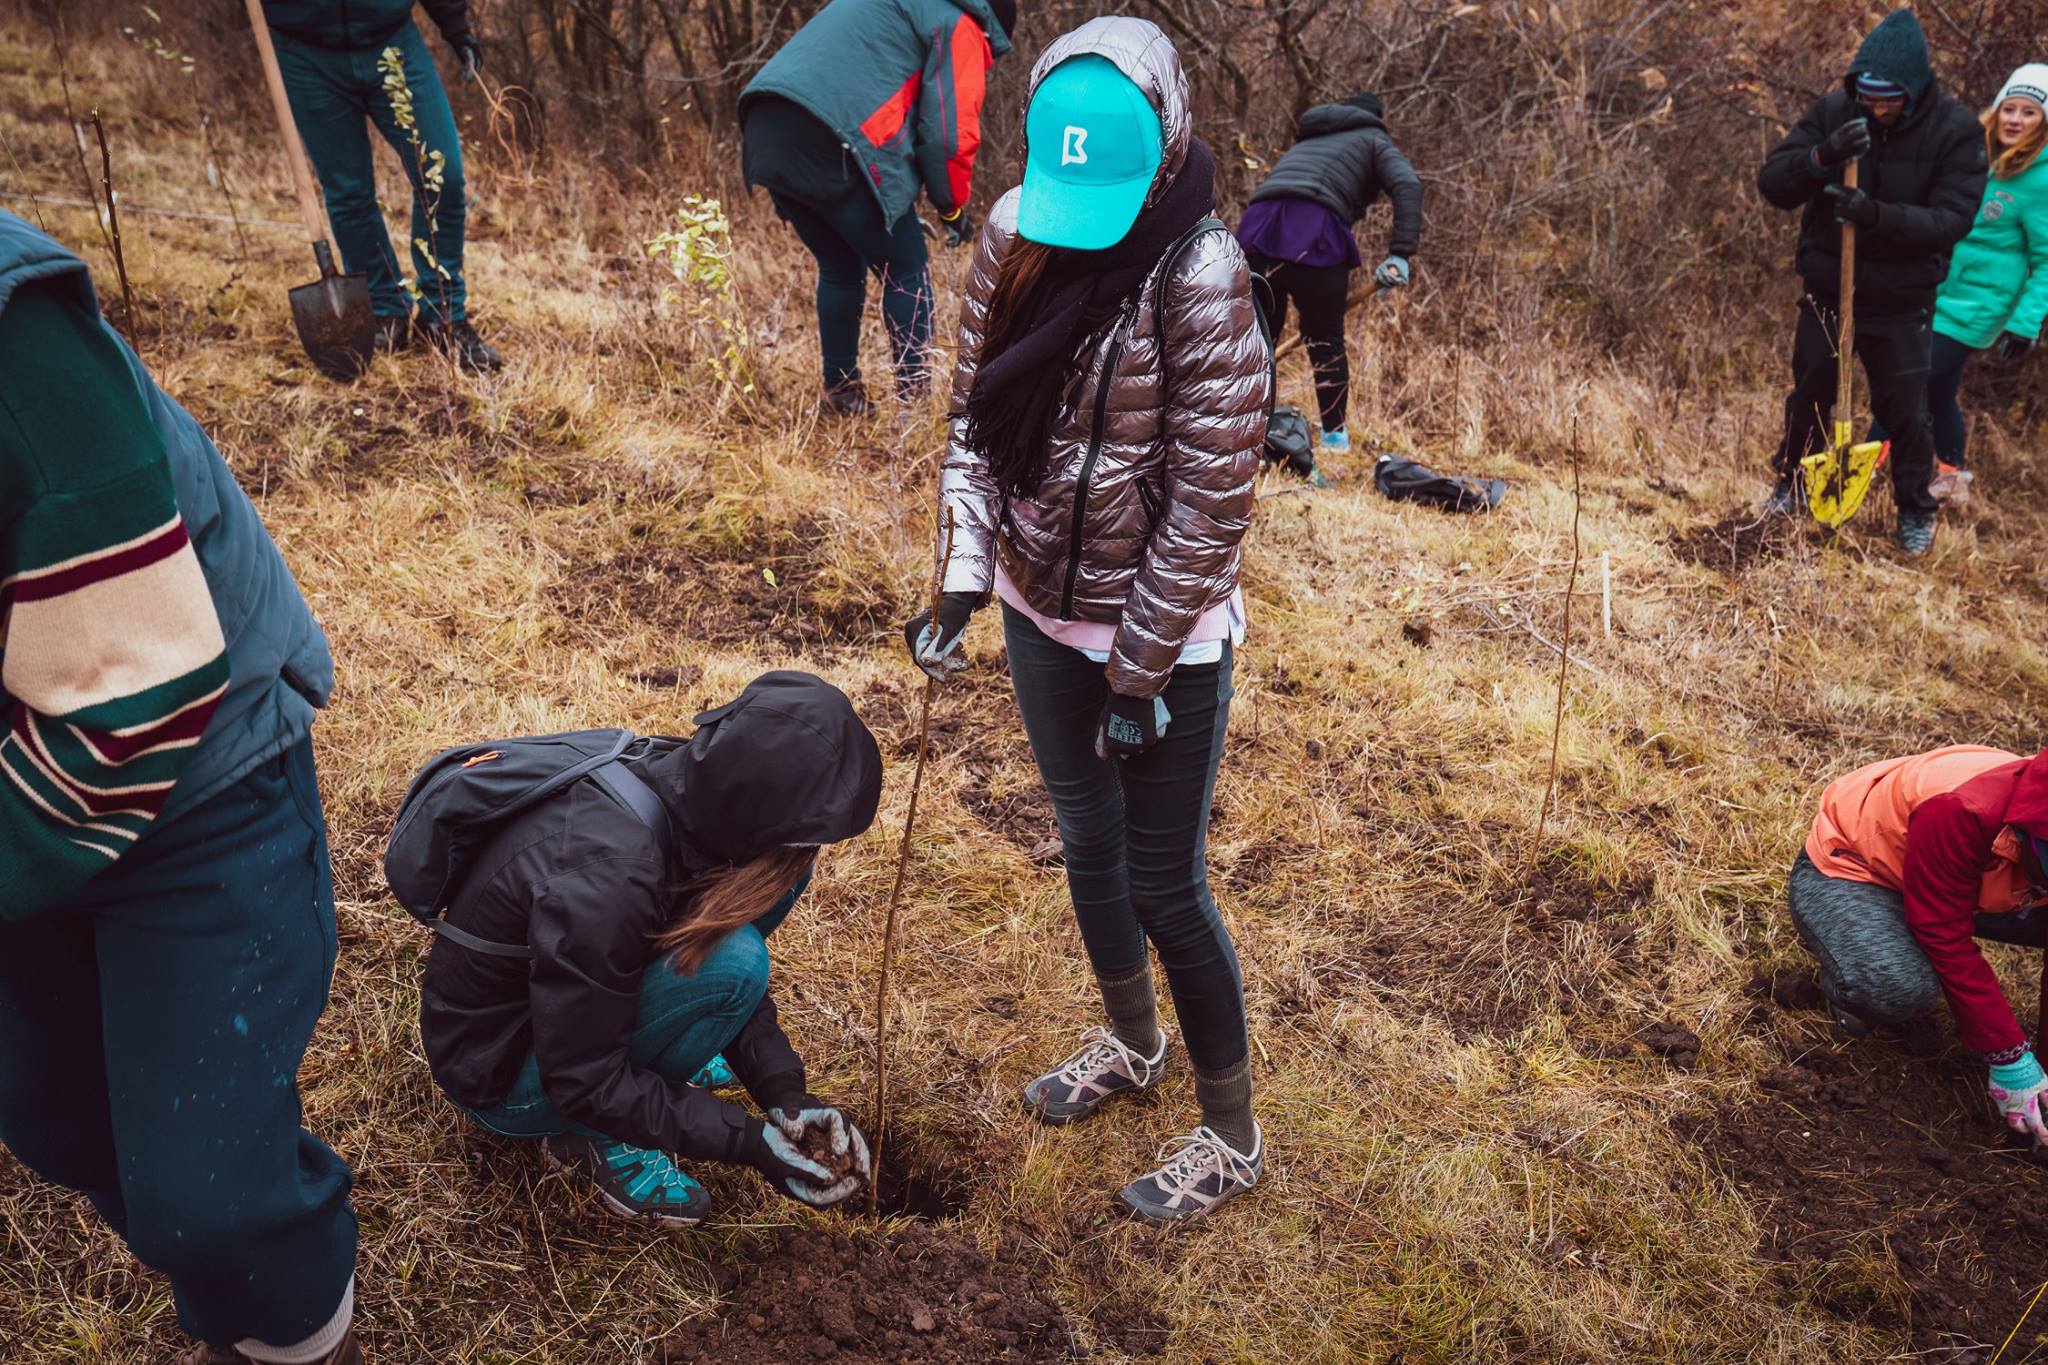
column 1149, row 486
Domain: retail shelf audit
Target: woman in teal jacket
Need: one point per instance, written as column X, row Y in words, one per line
column 1997, row 288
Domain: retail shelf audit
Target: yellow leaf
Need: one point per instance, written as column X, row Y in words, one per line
column 769, row 574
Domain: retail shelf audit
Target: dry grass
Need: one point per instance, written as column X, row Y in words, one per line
column 1470, row 1160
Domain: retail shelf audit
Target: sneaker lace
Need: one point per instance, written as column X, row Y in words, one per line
column 1191, row 1155
column 1101, row 1051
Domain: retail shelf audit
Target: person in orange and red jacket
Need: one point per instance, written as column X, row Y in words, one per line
column 867, row 104
column 1910, row 861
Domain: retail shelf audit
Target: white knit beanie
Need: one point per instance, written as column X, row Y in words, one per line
column 2030, row 82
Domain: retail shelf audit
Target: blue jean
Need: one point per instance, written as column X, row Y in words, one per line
column 150, row 1040
column 332, row 91
column 1136, row 831
column 685, row 1019
column 847, row 235
column 1948, row 358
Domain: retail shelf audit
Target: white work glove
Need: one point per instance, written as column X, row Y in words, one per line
column 822, row 1191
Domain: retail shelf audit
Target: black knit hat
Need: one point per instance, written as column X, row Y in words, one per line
column 1367, row 101
column 1005, row 12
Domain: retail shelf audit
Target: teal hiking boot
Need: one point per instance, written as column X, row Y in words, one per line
column 637, row 1182
column 1916, row 533
column 716, row 1075
column 1336, row 442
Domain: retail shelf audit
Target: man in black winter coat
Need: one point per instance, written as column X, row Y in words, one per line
column 1922, row 174
column 1297, row 234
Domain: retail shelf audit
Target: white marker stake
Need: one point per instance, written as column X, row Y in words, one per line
column 1606, row 597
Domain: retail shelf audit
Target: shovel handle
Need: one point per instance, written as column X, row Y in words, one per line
column 1846, row 305
column 295, row 151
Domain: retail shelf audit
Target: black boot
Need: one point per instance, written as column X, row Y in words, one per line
column 460, row 341
column 847, row 398
column 394, row 334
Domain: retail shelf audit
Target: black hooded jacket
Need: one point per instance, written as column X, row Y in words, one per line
column 582, row 882
column 1344, row 159
column 1926, row 173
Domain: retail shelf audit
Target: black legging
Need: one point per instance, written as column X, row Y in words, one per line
column 1947, row 360
column 1320, row 292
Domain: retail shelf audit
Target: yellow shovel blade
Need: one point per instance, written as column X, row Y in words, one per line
column 1838, row 478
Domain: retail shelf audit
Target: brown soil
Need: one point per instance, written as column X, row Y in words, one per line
column 816, row 1144
column 910, row 1294
column 1737, row 542
column 1886, row 1190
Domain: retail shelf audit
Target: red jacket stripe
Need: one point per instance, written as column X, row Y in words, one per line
column 972, row 57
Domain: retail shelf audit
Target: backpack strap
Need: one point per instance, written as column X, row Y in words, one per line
column 620, row 783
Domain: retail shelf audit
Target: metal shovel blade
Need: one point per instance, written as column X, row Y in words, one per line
column 335, row 325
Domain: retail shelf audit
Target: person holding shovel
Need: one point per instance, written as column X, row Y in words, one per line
column 1108, row 409
column 337, row 59
column 866, row 105
column 1297, row 232
column 1911, row 861
column 599, row 964
column 1996, row 293
column 166, row 909
column 1921, row 155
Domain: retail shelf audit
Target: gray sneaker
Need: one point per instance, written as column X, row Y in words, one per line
column 1104, row 1065
column 1201, row 1171
column 1916, row 533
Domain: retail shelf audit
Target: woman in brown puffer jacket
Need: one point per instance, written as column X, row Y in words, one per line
column 1109, row 405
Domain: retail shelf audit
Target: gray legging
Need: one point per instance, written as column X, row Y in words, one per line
column 1870, row 963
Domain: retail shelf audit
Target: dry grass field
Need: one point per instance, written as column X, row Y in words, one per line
column 1556, row 1101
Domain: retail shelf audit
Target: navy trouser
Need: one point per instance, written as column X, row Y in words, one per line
column 1136, row 830
column 847, row 235
column 1948, row 358
column 333, row 90
column 150, row 1041
column 685, row 1019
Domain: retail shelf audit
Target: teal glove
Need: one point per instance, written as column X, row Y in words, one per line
column 2016, row 1088
column 1392, row 273
column 1129, row 726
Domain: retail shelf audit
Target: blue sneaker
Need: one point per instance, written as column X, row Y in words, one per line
column 1916, row 533
column 1337, row 442
column 716, row 1075
column 636, row 1181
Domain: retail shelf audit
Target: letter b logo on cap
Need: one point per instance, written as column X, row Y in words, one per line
column 1074, row 146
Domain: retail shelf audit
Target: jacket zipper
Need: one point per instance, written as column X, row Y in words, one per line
column 1116, row 350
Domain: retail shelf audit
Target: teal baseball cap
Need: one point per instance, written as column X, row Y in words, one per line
column 1095, row 147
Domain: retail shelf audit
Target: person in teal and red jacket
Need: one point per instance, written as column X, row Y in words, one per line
column 1912, row 860
column 866, row 106
column 166, row 912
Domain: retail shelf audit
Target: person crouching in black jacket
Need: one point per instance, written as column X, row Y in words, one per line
column 649, row 962
column 1922, row 174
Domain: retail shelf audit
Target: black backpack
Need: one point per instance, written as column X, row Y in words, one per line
column 1283, row 451
column 464, row 795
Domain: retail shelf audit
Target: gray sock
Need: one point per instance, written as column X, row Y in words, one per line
column 1133, row 1009
column 1226, row 1100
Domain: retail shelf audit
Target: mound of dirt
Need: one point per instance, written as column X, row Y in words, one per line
column 1875, row 1170
column 1737, row 542
column 913, row 1294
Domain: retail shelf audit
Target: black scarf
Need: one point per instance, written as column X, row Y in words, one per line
column 1016, row 396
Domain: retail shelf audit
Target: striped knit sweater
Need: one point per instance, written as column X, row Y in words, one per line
column 111, row 655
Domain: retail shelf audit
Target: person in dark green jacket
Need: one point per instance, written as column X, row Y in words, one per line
column 1996, row 293
column 868, row 104
column 345, row 61
column 166, row 910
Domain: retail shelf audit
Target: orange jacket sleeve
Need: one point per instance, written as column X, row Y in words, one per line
column 949, row 103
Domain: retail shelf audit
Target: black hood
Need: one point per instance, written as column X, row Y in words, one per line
column 787, row 762
column 1896, row 51
column 1325, row 119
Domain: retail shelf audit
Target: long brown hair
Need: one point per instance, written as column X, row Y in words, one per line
column 719, row 901
column 2007, row 162
column 1009, row 301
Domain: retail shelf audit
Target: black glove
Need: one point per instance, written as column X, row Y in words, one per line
column 1846, row 143
column 470, row 51
column 2011, row 348
column 941, row 656
column 1130, row 725
column 1852, row 206
column 959, row 228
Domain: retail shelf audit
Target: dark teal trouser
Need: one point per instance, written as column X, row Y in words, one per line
column 683, row 1022
column 333, row 90
column 150, row 1041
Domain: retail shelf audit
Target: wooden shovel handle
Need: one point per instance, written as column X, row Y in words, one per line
column 310, row 207
column 1846, row 341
